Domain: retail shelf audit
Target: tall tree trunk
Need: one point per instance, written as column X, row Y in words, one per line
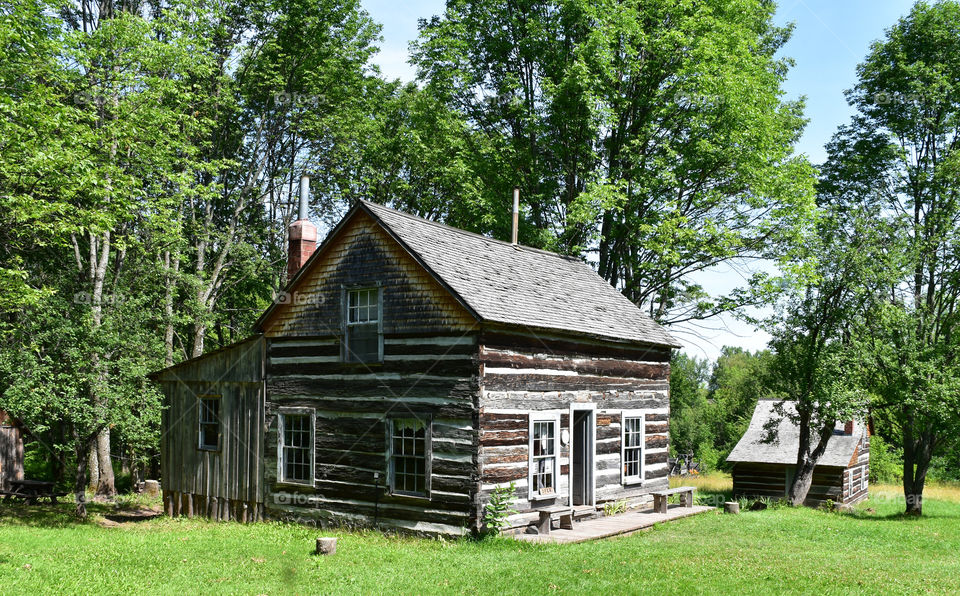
column 100, row 260
column 83, row 448
column 93, row 465
column 172, row 268
column 807, row 460
column 105, row 485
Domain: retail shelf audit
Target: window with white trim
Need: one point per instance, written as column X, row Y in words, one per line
column 631, row 447
column 544, row 455
column 209, row 423
column 409, row 456
column 363, row 333
column 295, row 446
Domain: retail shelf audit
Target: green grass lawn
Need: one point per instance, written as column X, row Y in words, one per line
column 779, row 550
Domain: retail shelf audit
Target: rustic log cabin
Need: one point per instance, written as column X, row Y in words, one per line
column 409, row 369
column 764, row 462
column 11, row 451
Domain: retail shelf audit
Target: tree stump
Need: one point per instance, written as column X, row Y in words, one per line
column 326, row 546
column 151, row 488
column 731, row 507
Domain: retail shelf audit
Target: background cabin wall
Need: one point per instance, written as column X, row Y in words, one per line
column 429, row 370
column 856, row 478
column 11, row 454
column 226, row 483
column 523, row 374
column 753, row 480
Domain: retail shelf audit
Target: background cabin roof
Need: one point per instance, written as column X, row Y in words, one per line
column 519, row 285
column 753, row 449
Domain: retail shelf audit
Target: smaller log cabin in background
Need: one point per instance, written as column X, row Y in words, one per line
column 408, row 370
column 11, row 451
column 764, row 468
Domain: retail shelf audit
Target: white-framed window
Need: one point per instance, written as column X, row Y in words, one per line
column 632, row 447
column 363, row 325
column 544, row 456
column 295, row 446
column 409, row 456
column 209, row 423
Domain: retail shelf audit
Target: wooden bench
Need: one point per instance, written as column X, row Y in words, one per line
column 546, row 516
column 660, row 497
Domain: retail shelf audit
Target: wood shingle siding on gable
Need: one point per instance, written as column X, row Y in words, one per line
column 363, row 255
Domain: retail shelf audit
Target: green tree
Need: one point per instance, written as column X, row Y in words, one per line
column 651, row 135
column 689, row 427
column 901, row 153
column 738, row 380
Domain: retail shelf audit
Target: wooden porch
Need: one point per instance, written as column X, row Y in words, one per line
column 616, row 525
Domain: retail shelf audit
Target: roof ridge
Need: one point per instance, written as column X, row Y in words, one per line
column 440, row 224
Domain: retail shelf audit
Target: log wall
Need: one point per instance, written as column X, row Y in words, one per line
column 752, row 480
column 527, row 374
column 856, row 478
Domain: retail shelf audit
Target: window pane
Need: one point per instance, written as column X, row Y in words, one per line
column 363, row 343
column 408, row 459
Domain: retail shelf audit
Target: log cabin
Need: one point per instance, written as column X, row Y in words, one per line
column 764, row 462
column 407, row 370
column 11, row 451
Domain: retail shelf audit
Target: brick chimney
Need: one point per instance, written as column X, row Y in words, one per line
column 848, row 427
column 303, row 234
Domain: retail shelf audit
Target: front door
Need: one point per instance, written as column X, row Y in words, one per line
column 581, row 457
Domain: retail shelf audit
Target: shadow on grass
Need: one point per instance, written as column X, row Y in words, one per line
column 122, row 509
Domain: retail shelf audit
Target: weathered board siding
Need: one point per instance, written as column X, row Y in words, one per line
column 523, row 374
column 364, row 254
column 226, row 483
column 11, row 452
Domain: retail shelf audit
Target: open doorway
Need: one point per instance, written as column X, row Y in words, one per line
column 582, row 454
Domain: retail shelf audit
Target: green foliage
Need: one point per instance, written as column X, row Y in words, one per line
column 897, row 166
column 653, row 134
column 614, row 507
column 688, row 403
column 886, row 462
column 500, row 508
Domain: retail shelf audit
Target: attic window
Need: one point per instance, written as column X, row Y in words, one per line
column 364, row 330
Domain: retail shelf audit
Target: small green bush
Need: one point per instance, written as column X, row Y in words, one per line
column 500, row 508
column 614, row 507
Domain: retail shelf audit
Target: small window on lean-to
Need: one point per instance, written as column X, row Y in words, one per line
column 209, row 428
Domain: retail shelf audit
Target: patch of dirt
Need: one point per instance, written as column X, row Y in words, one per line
column 130, row 516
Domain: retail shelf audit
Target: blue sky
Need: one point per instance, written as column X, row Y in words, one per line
column 830, row 38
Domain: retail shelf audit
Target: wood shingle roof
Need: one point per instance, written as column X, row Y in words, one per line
column 517, row 285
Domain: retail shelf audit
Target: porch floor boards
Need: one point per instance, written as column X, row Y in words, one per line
column 615, row 525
